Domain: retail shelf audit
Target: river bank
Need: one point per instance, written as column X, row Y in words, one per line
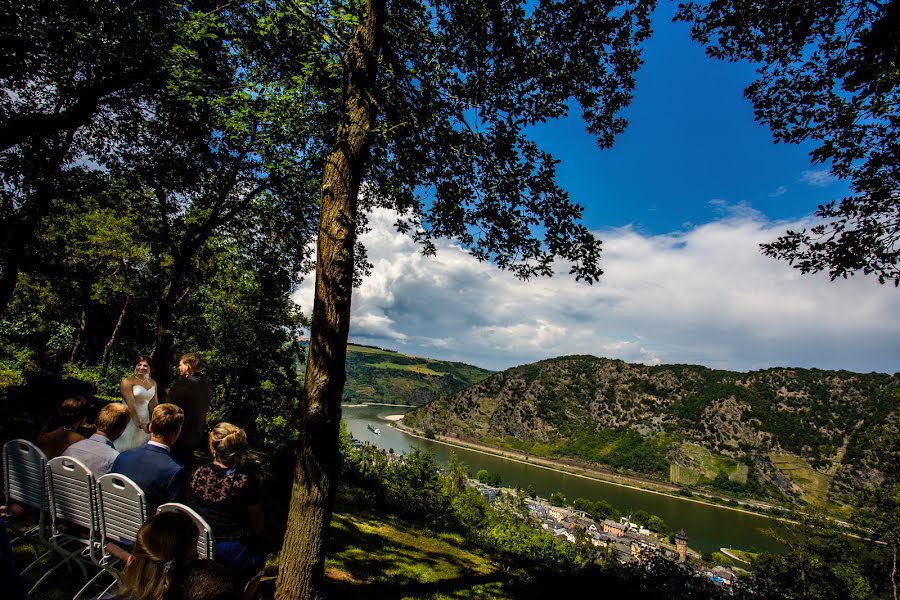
column 595, row 474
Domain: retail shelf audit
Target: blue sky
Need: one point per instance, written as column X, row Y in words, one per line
column 691, row 139
column 682, row 202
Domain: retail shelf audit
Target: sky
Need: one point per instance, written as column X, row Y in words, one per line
column 681, row 202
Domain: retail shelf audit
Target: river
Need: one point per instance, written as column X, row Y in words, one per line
column 708, row 527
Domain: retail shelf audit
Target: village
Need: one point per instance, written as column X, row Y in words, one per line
column 628, row 542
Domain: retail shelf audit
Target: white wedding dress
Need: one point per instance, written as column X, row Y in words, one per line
column 134, row 436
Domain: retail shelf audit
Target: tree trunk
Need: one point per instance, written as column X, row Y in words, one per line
column 112, row 338
column 162, row 351
column 9, row 278
column 81, row 329
column 894, row 573
column 302, row 561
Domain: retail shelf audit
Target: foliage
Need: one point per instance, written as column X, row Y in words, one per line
column 164, row 205
column 492, row 479
column 368, row 379
column 820, row 561
column 828, row 73
column 557, row 499
column 598, row 510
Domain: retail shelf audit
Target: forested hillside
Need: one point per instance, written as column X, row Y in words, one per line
column 800, row 434
column 379, row 375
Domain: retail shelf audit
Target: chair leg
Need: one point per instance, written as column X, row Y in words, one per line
column 66, row 558
column 93, row 581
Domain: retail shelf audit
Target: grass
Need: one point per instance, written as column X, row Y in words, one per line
column 706, row 466
column 372, row 555
column 420, row 369
column 814, row 486
column 743, row 556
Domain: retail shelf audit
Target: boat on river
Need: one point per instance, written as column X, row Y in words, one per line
column 374, row 430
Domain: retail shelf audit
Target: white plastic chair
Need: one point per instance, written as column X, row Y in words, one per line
column 206, row 545
column 25, row 482
column 123, row 509
column 71, row 490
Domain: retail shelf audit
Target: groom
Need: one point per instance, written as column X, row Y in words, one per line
column 193, row 393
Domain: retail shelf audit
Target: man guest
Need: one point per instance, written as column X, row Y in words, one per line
column 193, row 393
column 150, row 466
column 97, row 452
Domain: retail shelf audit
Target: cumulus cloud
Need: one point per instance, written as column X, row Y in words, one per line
column 780, row 191
column 820, row 178
column 704, row 295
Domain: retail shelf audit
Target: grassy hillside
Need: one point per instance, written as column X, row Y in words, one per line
column 802, row 435
column 377, row 375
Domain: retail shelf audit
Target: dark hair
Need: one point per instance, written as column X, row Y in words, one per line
column 166, row 543
column 206, row 580
column 166, row 419
column 192, row 360
column 143, row 358
column 73, row 410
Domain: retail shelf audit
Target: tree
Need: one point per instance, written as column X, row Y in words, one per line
column 434, row 100
column 67, row 67
column 457, row 475
column 655, row 523
column 819, row 561
column 827, row 73
column 879, row 514
column 557, row 499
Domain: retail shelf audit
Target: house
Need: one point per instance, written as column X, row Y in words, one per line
column 613, row 528
column 558, row 513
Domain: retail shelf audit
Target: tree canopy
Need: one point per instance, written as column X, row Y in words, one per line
column 827, row 73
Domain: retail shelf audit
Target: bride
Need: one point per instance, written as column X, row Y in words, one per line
column 139, row 395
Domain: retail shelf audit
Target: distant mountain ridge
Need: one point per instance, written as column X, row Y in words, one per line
column 795, row 434
column 379, row 375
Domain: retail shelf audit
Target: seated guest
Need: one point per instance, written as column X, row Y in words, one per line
column 207, row 580
column 64, row 431
column 228, row 498
column 97, row 452
column 165, row 549
column 150, row 465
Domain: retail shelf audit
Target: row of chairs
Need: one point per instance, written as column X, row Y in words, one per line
column 87, row 516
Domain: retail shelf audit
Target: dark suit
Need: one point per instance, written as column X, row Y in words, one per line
column 154, row 471
column 193, row 394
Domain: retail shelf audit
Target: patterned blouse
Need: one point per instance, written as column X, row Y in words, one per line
column 221, row 495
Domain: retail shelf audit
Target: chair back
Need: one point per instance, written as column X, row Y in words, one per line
column 24, row 475
column 206, row 546
column 122, row 507
column 72, row 491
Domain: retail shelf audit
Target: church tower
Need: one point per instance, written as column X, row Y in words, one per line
column 681, row 539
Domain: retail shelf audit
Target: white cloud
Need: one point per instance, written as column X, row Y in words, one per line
column 820, row 178
column 780, row 191
column 704, row 296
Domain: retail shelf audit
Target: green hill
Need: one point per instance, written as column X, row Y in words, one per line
column 787, row 434
column 379, row 375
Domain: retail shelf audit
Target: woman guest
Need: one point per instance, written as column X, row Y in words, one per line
column 228, row 497
column 139, row 395
column 165, row 548
column 64, row 431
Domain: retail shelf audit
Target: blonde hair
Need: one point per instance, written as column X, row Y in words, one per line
column 229, row 444
column 166, row 419
column 166, row 543
column 112, row 418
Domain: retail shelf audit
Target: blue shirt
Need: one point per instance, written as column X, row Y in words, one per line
column 96, row 452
